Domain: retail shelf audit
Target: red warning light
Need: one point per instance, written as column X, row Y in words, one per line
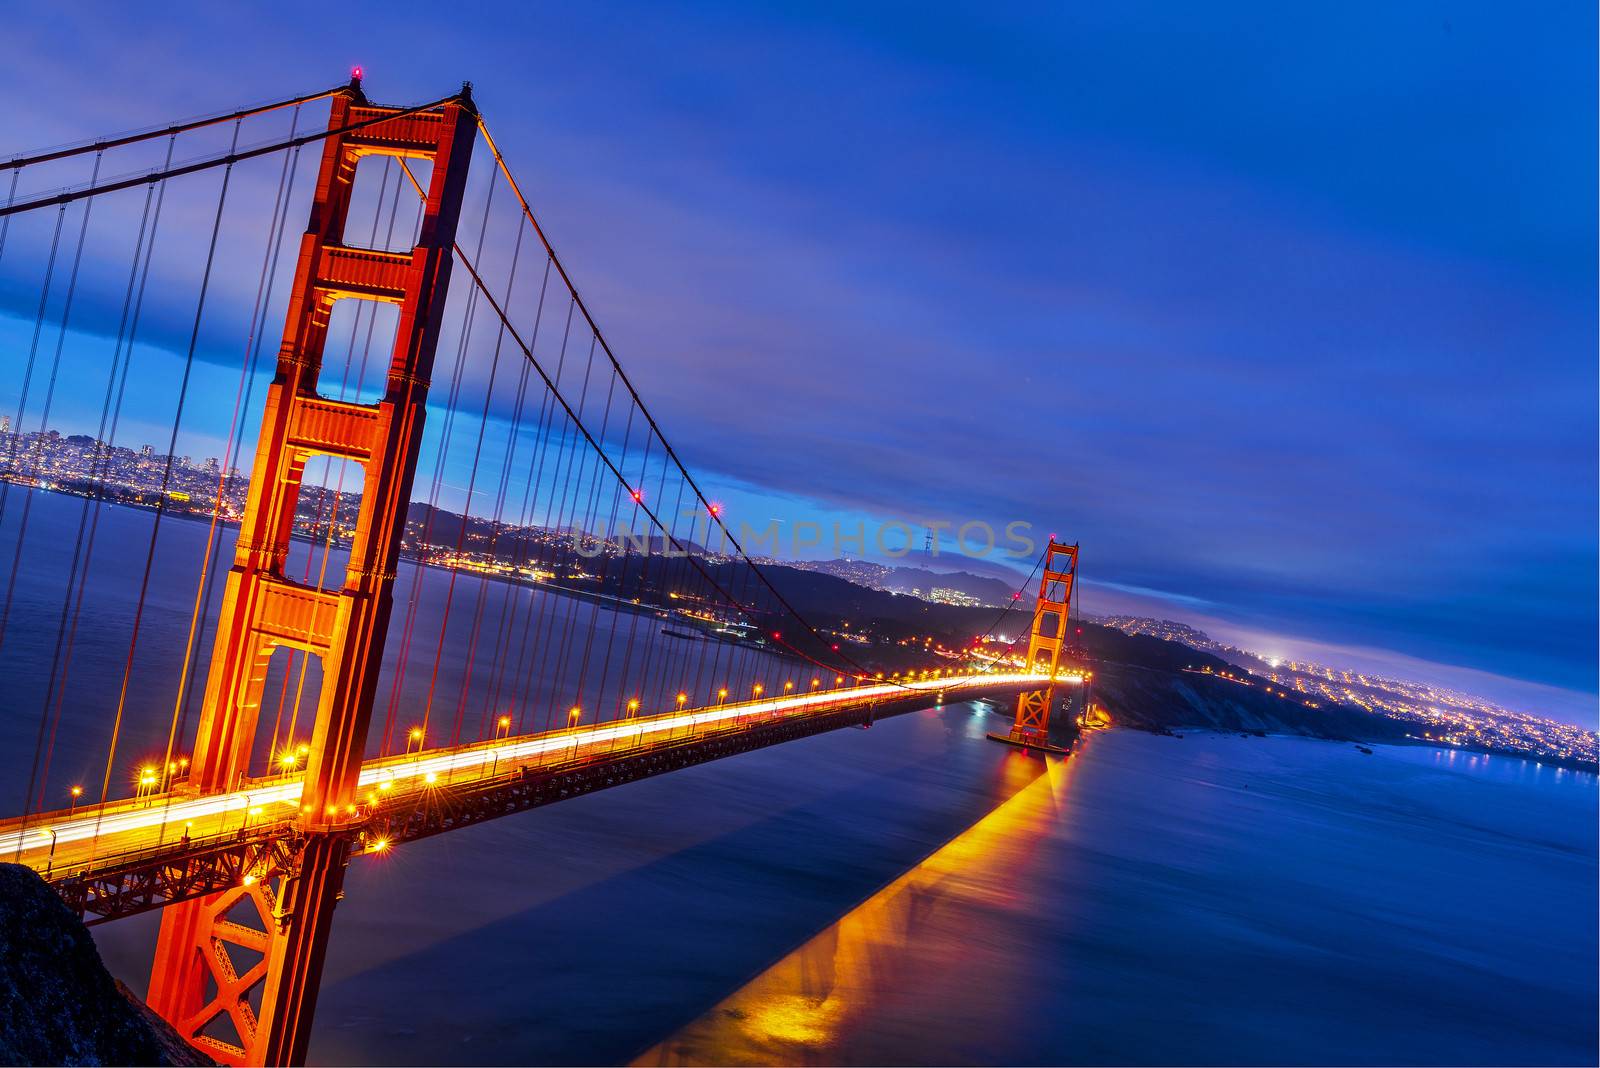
column 356, row 72
column 638, row 495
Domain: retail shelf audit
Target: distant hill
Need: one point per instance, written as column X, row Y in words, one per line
column 990, row 591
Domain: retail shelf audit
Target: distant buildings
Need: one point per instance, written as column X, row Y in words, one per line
column 1434, row 713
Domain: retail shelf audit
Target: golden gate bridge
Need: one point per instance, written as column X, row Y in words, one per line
column 512, row 670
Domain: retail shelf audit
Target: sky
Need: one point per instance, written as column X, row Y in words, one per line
column 1286, row 313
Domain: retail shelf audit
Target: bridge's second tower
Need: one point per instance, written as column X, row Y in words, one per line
column 1049, row 633
column 237, row 973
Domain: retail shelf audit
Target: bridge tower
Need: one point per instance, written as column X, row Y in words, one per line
column 237, row 973
column 1049, row 633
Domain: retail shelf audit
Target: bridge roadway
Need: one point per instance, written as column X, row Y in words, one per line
column 132, row 855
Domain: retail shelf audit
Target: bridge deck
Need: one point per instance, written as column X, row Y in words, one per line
column 115, row 850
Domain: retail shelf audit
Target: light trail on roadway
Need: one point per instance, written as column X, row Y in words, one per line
column 93, row 832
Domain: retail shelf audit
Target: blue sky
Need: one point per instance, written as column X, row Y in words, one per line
column 1286, row 312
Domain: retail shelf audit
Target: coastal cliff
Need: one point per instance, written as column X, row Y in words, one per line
column 58, row 1004
column 1164, row 700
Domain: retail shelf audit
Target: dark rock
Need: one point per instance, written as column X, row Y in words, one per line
column 58, row 1004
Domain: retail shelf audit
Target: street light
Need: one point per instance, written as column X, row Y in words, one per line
column 77, row 792
column 573, row 715
column 504, row 725
column 414, row 736
column 722, row 695
column 633, row 707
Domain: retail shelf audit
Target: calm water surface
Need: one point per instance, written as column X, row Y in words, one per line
column 911, row 893
column 916, row 894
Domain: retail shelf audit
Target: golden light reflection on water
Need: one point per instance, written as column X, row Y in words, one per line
column 928, row 932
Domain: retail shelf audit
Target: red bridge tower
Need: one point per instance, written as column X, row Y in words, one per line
column 237, row 972
column 1051, row 618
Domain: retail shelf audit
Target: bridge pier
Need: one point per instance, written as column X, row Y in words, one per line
column 237, row 973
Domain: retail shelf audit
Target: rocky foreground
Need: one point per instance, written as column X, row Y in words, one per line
column 58, row 1004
